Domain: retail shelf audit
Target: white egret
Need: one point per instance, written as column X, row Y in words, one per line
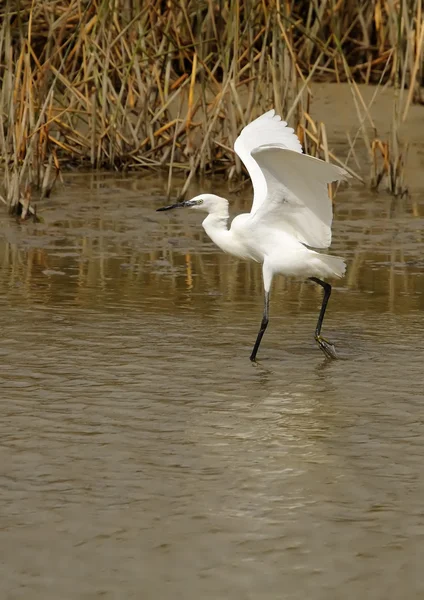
column 291, row 213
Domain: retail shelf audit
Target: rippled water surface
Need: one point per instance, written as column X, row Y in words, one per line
column 143, row 456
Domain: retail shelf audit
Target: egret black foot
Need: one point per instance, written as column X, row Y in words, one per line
column 326, row 346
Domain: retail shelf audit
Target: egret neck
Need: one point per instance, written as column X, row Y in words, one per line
column 216, row 226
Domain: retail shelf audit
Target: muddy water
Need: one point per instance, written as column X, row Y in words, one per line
column 143, row 456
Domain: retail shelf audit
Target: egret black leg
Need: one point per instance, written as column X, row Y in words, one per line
column 326, row 346
column 264, row 324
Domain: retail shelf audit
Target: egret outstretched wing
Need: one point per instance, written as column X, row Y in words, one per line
column 297, row 198
column 267, row 129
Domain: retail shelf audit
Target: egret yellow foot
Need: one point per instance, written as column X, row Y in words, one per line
column 326, row 346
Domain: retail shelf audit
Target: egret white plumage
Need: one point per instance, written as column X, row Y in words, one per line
column 290, row 216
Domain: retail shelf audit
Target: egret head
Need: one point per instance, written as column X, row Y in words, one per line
column 209, row 203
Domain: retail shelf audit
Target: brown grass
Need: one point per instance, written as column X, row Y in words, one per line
column 126, row 84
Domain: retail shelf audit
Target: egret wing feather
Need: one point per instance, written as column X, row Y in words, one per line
column 265, row 130
column 297, row 200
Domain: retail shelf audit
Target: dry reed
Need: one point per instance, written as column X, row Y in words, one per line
column 124, row 84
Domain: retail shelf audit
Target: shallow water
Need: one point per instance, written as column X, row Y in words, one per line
column 143, row 456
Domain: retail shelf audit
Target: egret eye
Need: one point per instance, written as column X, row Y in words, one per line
column 200, row 202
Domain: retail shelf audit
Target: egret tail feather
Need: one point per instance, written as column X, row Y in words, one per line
column 335, row 264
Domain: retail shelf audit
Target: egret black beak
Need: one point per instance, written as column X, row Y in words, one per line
column 185, row 204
